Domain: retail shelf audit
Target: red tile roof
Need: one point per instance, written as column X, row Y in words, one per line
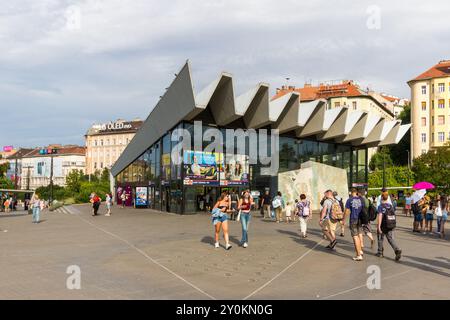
column 309, row 93
column 442, row 69
column 62, row 150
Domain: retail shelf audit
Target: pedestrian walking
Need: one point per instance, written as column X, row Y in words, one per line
column 429, row 215
column 278, row 205
column 354, row 210
column 36, row 205
column 408, row 202
column 220, row 220
column 266, row 202
column 245, row 206
column 123, row 199
column 288, row 212
column 304, row 213
column 386, row 225
column 108, row 202
column 330, row 216
column 369, row 212
column 444, row 209
column 341, row 222
column 234, row 198
column 96, row 201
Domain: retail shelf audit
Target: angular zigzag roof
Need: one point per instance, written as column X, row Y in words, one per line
column 255, row 110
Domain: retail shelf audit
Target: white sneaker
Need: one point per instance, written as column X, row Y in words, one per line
column 217, row 245
column 245, row 245
column 228, row 247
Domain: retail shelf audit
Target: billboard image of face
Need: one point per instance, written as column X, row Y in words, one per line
column 235, row 171
column 201, row 167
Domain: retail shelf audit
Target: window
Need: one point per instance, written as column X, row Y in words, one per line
column 101, row 165
column 354, row 105
column 101, row 142
column 441, row 120
column 95, row 142
column 441, row 136
column 432, row 104
column 432, row 88
column 424, row 138
column 424, row 89
column 337, row 104
column 441, row 104
column 441, row 87
column 424, row 122
column 432, row 120
column 424, row 106
column 95, row 165
column 432, row 137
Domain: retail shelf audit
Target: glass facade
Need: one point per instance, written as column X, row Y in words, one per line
column 190, row 186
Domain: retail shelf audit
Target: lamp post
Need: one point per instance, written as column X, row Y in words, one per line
column 384, row 171
column 409, row 164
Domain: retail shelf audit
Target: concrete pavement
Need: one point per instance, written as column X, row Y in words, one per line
column 145, row 254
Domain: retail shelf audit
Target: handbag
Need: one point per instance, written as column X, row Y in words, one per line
column 239, row 216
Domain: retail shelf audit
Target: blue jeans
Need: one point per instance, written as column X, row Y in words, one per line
column 36, row 212
column 439, row 221
column 245, row 220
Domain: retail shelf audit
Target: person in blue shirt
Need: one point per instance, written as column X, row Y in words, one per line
column 354, row 208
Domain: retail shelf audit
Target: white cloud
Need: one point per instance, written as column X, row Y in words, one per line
column 123, row 54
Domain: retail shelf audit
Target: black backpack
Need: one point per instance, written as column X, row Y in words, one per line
column 390, row 221
column 372, row 212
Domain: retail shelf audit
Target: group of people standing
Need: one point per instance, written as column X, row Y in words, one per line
column 425, row 211
column 96, row 201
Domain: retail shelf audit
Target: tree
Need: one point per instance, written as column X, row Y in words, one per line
column 104, row 177
column 73, row 181
column 434, row 166
column 4, row 168
column 376, row 162
column 399, row 152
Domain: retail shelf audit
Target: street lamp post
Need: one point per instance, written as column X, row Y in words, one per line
column 409, row 164
column 384, row 171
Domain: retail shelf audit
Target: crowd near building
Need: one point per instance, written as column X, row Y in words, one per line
column 106, row 142
column 336, row 135
column 430, row 109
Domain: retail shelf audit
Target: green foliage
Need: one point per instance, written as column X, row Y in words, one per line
column 395, row 177
column 104, row 177
column 434, row 166
column 6, row 183
column 73, row 181
column 376, row 162
column 3, row 168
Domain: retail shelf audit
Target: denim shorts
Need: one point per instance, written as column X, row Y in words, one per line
column 221, row 219
column 429, row 217
column 418, row 217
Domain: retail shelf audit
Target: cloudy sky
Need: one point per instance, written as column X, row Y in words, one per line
column 67, row 64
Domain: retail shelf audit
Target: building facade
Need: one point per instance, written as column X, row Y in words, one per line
column 106, row 142
column 430, row 109
column 149, row 174
column 34, row 168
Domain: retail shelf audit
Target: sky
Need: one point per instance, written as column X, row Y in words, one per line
column 65, row 65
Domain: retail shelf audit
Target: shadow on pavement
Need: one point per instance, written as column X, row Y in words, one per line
column 421, row 266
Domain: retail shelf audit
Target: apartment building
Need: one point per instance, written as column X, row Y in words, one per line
column 430, row 109
column 106, row 142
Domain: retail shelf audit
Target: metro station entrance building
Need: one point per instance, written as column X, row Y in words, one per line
column 148, row 176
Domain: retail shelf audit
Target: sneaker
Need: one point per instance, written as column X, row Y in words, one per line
column 245, row 245
column 398, row 254
column 361, row 253
column 333, row 244
column 358, row 258
column 228, row 246
column 217, row 245
column 379, row 255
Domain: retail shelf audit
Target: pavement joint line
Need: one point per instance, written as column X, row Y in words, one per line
column 364, row 285
column 148, row 257
column 283, row 271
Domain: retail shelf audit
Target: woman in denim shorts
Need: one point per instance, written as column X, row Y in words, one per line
column 220, row 220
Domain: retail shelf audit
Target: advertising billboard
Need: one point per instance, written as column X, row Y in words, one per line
column 235, row 172
column 201, row 168
column 141, row 199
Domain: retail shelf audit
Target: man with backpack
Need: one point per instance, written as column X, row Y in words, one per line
column 386, row 225
column 341, row 222
column 330, row 216
column 278, row 205
column 354, row 208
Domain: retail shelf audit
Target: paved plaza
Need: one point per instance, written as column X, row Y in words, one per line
column 144, row 254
